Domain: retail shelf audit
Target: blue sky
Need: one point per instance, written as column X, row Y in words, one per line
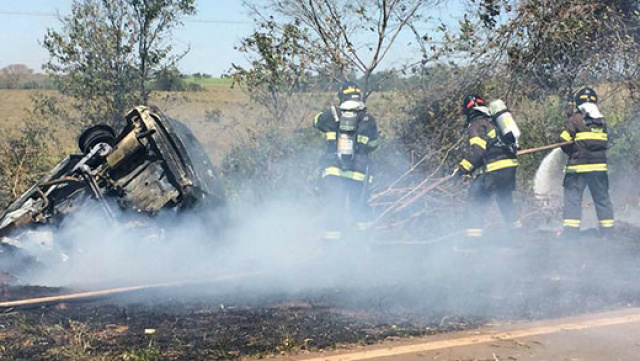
column 212, row 34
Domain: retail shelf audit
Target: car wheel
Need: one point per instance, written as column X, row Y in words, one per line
column 97, row 134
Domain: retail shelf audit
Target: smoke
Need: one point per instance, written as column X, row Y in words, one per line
column 275, row 246
column 547, row 183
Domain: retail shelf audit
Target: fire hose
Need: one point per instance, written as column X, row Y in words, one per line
column 99, row 294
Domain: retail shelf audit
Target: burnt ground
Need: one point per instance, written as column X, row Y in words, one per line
column 436, row 288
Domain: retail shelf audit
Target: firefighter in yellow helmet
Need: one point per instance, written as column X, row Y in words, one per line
column 587, row 164
column 350, row 134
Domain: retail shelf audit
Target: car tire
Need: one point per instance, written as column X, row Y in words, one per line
column 96, row 134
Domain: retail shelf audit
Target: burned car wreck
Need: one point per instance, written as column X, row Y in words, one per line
column 154, row 164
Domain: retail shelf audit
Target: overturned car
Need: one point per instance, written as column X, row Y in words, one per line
column 154, row 164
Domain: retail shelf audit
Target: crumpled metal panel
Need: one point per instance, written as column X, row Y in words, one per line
column 150, row 190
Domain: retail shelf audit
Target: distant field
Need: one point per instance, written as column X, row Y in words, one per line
column 219, row 116
column 207, row 82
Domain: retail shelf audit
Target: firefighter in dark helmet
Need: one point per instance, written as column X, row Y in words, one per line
column 587, row 165
column 492, row 163
column 350, row 135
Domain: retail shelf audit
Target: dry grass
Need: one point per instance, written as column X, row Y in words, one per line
column 235, row 113
column 15, row 105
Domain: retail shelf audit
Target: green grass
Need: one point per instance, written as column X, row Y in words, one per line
column 210, row 82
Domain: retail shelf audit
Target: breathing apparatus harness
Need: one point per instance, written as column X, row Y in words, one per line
column 348, row 115
column 591, row 114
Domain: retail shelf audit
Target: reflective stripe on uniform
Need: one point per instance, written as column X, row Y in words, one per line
column 586, row 96
column 573, row 223
column 330, row 135
column 591, row 136
column 501, row 164
column 351, row 90
column 565, row 136
column 586, row 168
column 492, row 133
column 466, row 165
column 479, row 142
column 337, row 172
column 332, row 235
column 606, row 223
column 363, row 139
column 315, row 119
column 474, row 232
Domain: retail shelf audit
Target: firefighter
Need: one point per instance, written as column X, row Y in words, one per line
column 350, row 134
column 492, row 164
column 587, row 164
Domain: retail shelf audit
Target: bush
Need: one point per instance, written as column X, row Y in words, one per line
column 169, row 80
column 273, row 161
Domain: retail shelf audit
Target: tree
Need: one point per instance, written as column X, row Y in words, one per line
column 169, row 79
column 108, row 51
column 12, row 75
column 278, row 69
column 348, row 35
column 547, row 46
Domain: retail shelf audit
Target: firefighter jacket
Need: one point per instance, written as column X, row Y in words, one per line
column 588, row 153
column 487, row 152
column 365, row 139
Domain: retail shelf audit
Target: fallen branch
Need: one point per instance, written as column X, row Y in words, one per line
column 417, row 188
column 425, row 191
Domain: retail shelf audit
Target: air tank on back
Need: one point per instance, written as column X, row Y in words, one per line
column 509, row 130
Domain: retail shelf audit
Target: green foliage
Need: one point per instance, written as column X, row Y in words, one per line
column 170, row 79
column 272, row 161
column 277, row 69
column 107, row 52
column 346, row 38
column 33, row 151
column 624, row 152
column 210, row 81
column 551, row 47
column 541, row 123
column 432, row 124
column 150, row 353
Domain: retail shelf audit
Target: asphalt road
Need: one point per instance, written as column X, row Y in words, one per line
column 606, row 336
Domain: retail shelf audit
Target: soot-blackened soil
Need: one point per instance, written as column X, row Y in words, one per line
column 437, row 288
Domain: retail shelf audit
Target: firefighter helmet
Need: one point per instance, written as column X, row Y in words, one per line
column 349, row 91
column 470, row 102
column 585, row 95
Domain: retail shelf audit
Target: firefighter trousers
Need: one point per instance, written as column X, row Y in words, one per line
column 346, row 205
column 499, row 184
column 574, row 185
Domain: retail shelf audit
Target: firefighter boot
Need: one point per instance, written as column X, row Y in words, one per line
column 606, row 233
column 474, row 233
column 514, row 230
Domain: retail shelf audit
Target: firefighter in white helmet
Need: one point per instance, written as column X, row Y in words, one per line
column 587, row 165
